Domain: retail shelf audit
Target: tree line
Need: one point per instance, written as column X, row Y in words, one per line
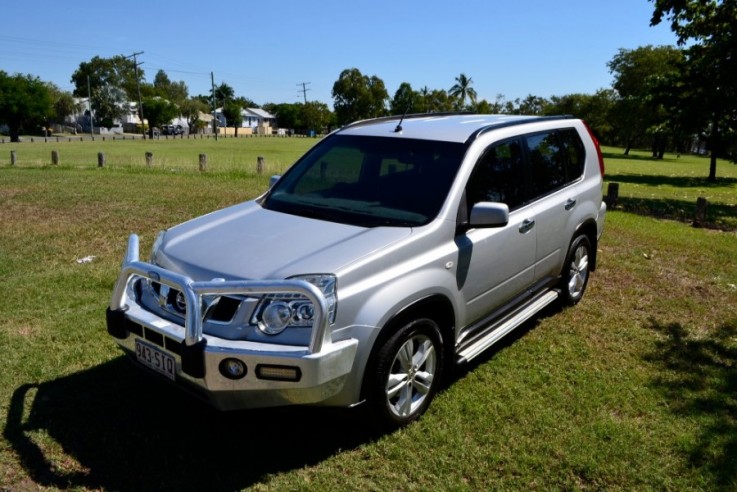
column 662, row 97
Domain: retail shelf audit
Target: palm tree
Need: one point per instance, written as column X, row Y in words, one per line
column 462, row 90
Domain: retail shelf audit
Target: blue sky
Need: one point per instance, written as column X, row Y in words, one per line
column 266, row 49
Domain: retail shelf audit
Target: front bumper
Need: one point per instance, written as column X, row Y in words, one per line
column 314, row 373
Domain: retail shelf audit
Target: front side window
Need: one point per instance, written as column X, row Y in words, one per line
column 369, row 181
column 498, row 176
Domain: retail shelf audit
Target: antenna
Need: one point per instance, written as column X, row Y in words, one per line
column 398, row 129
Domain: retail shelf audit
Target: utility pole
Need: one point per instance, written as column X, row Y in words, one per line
column 304, row 89
column 89, row 108
column 214, row 107
column 138, row 86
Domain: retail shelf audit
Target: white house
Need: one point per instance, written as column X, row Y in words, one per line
column 258, row 120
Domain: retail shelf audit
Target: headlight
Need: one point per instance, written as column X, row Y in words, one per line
column 157, row 244
column 277, row 312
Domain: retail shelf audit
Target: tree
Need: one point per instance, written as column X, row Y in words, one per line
column 191, row 109
column 357, row 96
column 25, row 102
column 287, row 114
column 246, row 102
column 223, row 93
column 531, row 105
column 63, row 104
column 638, row 74
column 233, row 113
column 462, row 90
column 438, row 101
column 302, row 117
column 117, row 71
column 112, row 81
column 405, row 100
column 317, row 116
column 594, row 109
column 176, row 92
column 707, row 26
column 159, row 112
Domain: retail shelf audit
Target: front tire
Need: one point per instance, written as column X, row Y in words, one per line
column 407, row 372
column 576, row 270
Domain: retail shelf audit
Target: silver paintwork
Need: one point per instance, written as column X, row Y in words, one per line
column 380, row 271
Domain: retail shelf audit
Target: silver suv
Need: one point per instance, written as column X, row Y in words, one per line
column 392, row 250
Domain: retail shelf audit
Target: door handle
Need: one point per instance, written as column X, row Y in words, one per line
column 526, row 226
column 570, row 204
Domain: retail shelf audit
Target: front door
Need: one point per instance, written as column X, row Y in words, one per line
column 496, row 264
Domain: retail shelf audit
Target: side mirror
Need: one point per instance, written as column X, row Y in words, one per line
column 273, row 180
column 489, row 214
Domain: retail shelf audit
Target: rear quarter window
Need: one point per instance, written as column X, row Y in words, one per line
column 574, row 152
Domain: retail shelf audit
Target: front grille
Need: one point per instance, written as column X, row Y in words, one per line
column 224, row 310
column 221, row 309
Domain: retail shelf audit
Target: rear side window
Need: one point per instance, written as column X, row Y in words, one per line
column 556, row 159
column 547, row 163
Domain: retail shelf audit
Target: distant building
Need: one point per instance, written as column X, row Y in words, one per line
column 259, row 121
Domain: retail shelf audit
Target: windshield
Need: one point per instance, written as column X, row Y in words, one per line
column 369, row 181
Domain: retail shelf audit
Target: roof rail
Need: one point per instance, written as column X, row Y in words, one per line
column 505, row 124
column 380, row 119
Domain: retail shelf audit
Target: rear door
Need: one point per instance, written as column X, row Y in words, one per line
column 556, row 160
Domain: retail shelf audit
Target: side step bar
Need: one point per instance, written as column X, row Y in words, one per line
column 504, row 326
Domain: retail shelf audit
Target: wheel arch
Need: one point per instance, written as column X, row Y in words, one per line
column 436, row 307
column 590, row 229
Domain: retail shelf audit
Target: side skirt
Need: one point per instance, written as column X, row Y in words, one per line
column 498, row 327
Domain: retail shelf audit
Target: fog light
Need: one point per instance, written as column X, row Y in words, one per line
column 278, row 373
column 232, row 368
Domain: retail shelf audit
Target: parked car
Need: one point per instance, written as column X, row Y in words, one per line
column 392, row 250
column 172, row 130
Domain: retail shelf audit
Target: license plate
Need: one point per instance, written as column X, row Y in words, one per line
column 155, row 359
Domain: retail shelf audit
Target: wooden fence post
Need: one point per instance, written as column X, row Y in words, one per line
column 203, row 162
column 700, row 215
column 149, row 159
column 612, row 195
column 100, row 159
column 260, row 162
column 54, row 157
column 12, row 158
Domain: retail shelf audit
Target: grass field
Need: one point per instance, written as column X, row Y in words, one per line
column 633, row 389
column 225, row 155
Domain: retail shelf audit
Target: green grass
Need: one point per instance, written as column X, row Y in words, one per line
column 633, row 389
column 173, row 155
column 669, row 188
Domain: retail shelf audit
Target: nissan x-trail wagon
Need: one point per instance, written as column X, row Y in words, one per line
column 392, row 250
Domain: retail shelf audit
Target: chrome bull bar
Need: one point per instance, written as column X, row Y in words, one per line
column 195, row 290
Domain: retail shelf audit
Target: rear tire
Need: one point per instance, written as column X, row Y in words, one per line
column 576, row 271
column 406, row 373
